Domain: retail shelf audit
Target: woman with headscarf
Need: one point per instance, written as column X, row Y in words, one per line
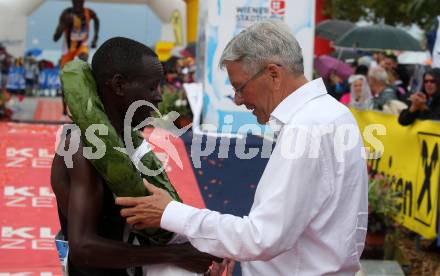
column 360, row 93
column 424, row 105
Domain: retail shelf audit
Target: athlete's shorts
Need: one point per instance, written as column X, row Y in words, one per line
column 71, row 54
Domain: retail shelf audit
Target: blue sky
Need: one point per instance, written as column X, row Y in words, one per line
column 134, row 21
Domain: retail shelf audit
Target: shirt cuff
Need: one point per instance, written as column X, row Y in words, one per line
column 175, row 216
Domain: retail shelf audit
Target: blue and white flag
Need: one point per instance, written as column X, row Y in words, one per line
column 436, row 48
column 16, row 79
column 49, row 79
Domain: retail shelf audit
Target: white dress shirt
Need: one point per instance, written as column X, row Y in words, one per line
column 309, row 215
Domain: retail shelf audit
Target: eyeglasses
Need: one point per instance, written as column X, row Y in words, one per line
column 429, row 81
column 239, row 90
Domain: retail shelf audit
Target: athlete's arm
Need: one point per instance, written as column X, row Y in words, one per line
column 65, row 22
column 96, row 30
column 88, row 249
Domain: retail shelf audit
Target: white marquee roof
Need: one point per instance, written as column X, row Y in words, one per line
column 26, row 7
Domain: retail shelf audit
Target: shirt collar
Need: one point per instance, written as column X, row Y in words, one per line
column 297, row 99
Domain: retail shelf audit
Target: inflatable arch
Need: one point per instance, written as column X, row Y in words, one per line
column 14, row 13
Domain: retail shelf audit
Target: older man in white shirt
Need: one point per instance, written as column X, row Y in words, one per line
column 309, row 215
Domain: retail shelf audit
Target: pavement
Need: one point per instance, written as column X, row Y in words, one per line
column 42, row 110
column 380, row 268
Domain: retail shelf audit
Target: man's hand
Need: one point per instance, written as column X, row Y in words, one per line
column 418, row 102
column 145, row 212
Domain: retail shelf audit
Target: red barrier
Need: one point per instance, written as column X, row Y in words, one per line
column 28, row 214
column 27, row 205
column 49, row 110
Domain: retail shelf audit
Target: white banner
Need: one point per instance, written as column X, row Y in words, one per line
column 219, row 22
column 436, row 49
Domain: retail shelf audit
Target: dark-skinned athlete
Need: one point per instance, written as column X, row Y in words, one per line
column 125, row 71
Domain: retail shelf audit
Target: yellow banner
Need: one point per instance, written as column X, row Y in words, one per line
column 410, row 157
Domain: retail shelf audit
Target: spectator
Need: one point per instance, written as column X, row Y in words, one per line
column 336, row 86
column 360, row 93
column 361, row 70
column 416, row 80
column 382, row 92
column 425, row 104
column 397, row 76
column 365, row 61
column 31, row 73
column 16, row 80
column 390, row 64
column 45, row 64
column 5, row 110
column 378, row 59
column 5, row 64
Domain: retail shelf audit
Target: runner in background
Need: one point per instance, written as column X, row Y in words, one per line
column 75, row 24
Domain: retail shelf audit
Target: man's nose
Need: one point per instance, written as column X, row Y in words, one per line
column 158, row 94
column 238, row 100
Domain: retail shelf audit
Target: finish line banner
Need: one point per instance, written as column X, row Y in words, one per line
column 411, row 159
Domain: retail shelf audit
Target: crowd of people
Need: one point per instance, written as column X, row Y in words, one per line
column 380, row 83
column 178, row 70
column 28, row 76
column 25, row 76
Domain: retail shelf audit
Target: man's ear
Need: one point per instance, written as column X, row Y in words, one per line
column 275, row 74
column 117, row 82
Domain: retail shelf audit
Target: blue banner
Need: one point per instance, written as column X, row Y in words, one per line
column 16, row 79
column 49, row 79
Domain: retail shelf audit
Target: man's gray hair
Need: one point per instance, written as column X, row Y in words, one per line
column 263, row 43
column 379, row 74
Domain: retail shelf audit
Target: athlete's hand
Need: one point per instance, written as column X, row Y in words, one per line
column 193, row 260
column 94, row 42
column 218, row 269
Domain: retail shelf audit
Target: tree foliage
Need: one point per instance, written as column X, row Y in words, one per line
column 404, row 12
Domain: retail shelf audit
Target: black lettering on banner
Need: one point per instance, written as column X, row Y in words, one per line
column 428, row 172
column 404, row 189
column 418, row 204
column 407, row 198
column 428, row 166
column 399, row 189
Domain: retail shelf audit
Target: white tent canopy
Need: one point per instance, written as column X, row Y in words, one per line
column 14, row 13
column 26, row 7
column 22, row 7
